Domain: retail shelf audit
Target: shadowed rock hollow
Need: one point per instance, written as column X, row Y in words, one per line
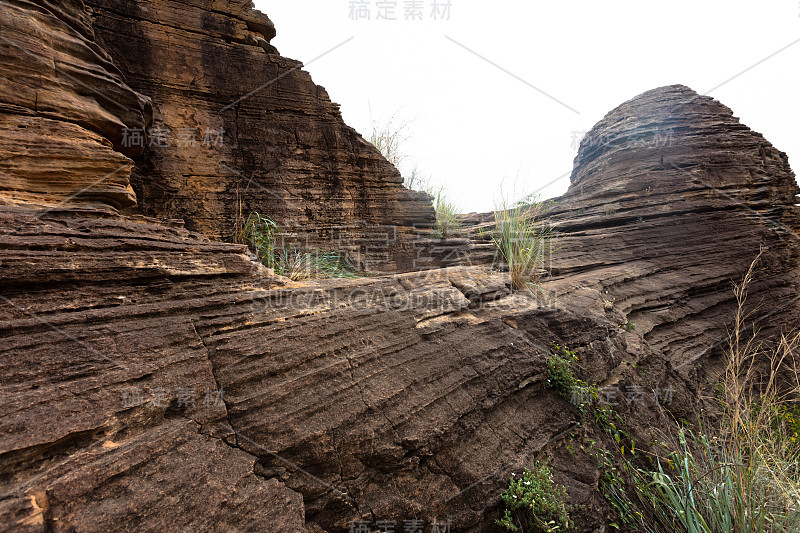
column 157, row 378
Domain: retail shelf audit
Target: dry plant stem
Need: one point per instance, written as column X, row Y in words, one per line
column 741, row 475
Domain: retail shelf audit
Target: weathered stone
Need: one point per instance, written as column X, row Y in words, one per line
column 405, row 397
column 246, row 126
column 671, row 200
column 58, row 87
column 154, row 379
column 51, row 162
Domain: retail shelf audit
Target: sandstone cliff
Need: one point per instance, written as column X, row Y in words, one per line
column 238, row 122
column 216, row 122
column 154, row 379
column 64, row 109
column 670, row 200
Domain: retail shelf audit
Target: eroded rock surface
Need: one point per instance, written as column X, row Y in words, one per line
column 241, row 123
column 218, row 125
column 154, row 379
column 671, row 200
column 64, row 108
column 405, row 397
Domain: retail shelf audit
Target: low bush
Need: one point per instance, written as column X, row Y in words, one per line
column 389, row 139
column 535, row 503
column 560, row 376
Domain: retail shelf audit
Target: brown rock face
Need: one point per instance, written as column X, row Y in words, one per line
column 236, row 122
column 153, row 379
column 234, row 127
column 64, row 107
column 670, row 201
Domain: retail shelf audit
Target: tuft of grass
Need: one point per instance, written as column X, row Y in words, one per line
column 319, row 264
column 389, row 139
column 535, row 503
column 240, row 223
column 448, row 220
column 522, row 240
column 260, row 233
column 741, row 474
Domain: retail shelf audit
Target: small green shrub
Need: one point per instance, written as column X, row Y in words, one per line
column 559, row 371
column 534, row 503
column 522, row 240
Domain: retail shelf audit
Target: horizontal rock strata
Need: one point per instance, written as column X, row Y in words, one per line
column 155, row 362
column 239, row 128
column 61, row 98
column 671, row 199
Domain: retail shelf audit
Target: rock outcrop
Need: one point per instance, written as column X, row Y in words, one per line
column 670, row 201
column 64, row 109
column 155, row 379
column 227, row 127
column 238, row 128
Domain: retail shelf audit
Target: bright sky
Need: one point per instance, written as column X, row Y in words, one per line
column 495, row 97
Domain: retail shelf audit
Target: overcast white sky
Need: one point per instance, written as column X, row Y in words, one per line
column 476, row 124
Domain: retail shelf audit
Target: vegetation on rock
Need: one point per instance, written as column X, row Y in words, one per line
column 388, row 139
column 535, row 503
column 523, row 240
column 740, row 472
column 559, row 370
column 260, row 233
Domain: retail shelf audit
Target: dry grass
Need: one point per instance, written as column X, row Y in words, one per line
column 448, row 220
column 741, row 474
column 389, row 139
column 523, row 241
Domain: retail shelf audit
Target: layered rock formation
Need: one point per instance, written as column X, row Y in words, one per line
column 239, row 128
column 670, row 201
column 233, row 127
column 63, row 110
column 154, row 379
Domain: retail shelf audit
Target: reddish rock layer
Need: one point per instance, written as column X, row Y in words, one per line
column 61, row 94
